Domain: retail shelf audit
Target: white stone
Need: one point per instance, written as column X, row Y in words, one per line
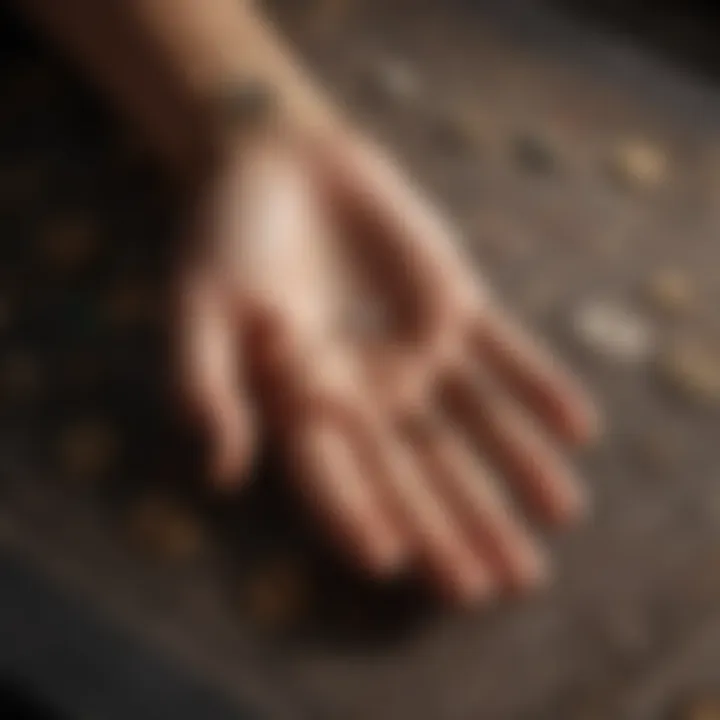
column 607, row 328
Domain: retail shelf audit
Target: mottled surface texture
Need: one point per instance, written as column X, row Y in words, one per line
column 515, row 122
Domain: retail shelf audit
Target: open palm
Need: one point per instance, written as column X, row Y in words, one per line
column 328, row 304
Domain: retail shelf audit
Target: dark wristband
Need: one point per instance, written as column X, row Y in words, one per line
column 246, row 105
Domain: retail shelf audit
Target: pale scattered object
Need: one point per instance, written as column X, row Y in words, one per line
column 21, row 377
column 395, row 79
column 671, row 292
column 691, row 366
column 278, row 594
column 608, row 329
column 638, row 164
column 88, row 449
column 165, row 528
column 70, row 242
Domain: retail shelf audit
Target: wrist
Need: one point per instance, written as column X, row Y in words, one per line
column 248, row 105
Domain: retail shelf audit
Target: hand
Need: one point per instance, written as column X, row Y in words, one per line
column 328, row 303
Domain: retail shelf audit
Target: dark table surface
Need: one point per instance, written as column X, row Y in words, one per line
column 631, row 626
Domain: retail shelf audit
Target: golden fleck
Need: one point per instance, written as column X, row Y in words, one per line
column 166, row 528
column 692, row 367
column 671, row 291
column 88, row 449
column 638, row 164
column 278, row 595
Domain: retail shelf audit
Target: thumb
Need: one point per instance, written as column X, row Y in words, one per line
column 209, row 357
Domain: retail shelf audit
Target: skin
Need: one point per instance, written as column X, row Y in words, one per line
column 323, row 304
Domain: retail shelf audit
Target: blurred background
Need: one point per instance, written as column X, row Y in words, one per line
column 576, row 143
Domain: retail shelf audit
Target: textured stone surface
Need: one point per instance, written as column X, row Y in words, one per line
column 631, row 623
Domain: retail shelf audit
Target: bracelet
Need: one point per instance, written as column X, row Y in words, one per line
column 246, row 105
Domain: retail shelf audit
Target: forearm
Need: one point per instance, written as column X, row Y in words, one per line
column 167, row 62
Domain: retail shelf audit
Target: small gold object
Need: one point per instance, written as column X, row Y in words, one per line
column 277, row 595
column 692, row 367
column 671, row 291
column 638, row 164
column 164, row 527
column 87, row 449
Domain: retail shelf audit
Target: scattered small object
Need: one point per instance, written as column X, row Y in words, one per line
column 691, row 366
column 700, row 708
column 534, row 154
column 671, row 292
column 164, row 527
column 395, row 80
column 69, row 243
column 278, row 595
column 21, row 377
column 638, row 164
column 613, row 331
column 87, row 449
